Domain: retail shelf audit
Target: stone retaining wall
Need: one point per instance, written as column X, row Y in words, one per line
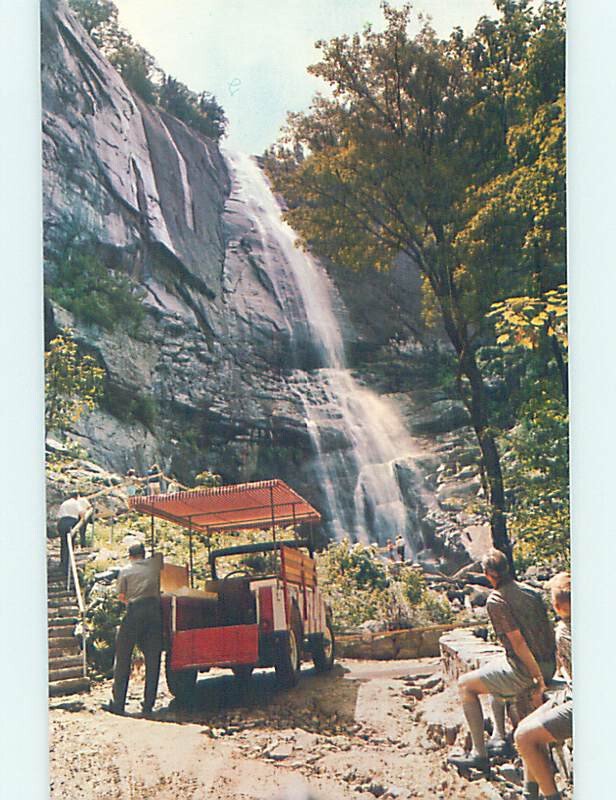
column 410, row 643
column 462, row 651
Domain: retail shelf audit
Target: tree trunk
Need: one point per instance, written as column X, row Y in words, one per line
column 476, row 402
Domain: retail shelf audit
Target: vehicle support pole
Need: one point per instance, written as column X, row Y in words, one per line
column 273, row 514
column 209, row 549
column 190, row 552
column 294, row 521
column 152, row 533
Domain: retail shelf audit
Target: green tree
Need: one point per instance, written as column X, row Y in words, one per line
column 536, row 464
column 391, row 164
column 73, row 383
column 95, row 15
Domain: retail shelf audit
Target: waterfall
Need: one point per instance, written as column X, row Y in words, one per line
column 359, row 477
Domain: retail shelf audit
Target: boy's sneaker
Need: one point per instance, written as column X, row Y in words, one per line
column 499, row 747
column 470, row 761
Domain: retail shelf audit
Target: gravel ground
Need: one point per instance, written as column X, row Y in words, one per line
column 349, row 734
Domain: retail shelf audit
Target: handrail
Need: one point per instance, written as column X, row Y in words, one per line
column 72, row 570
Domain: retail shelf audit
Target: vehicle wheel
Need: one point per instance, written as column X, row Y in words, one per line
column 289, row 660
column 324, row 653
column 181, row 682
column 243, row 671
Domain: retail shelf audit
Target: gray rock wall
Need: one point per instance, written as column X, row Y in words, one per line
column 201, row 383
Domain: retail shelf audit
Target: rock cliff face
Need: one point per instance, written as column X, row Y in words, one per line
column 203, row 380
column 150, row 194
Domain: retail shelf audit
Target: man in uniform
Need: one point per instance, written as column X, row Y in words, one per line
column 139, row 588
column 520, row 621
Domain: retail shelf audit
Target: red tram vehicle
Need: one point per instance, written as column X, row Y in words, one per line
column 261, row 607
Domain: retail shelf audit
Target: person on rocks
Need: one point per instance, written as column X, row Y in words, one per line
column 400, row 547
column 520, row 621
column 391, row 553
column 131, row 482
column 139, row 588
column 69, row 514
column 154, row 476
column 553, row 721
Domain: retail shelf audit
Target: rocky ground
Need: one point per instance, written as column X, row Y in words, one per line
column 356, row 733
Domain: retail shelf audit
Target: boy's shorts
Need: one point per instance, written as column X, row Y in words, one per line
column 505, row 679
column 557, row 718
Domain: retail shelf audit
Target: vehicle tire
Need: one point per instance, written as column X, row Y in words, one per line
column 324, row 654
column 243, row 672
column 289, row 661
column 181, row 682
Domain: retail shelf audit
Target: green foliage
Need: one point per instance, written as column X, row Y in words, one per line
column 451, row 152
column 95, row 294
column 437, row 608
column 73, row 383
column 200, row 111
column 521, row 321
column 353, row 564
column 142, row 74
column 102, row 619
column 360, row 586
column 94, row 14
column 536, row 464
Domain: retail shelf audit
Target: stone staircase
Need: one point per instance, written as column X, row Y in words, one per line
column 65, row 656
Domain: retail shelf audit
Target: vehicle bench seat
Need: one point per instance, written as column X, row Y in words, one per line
column 194, row 608
column 237, row 602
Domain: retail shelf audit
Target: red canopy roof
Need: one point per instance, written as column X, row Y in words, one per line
column 243, row 505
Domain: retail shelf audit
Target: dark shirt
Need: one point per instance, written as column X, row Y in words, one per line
column 517, row 607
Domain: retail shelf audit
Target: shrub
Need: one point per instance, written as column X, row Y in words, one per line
column 95, row 294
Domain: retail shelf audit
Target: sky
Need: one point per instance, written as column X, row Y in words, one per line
column 252, row 54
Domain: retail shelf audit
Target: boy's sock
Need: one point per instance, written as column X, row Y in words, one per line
column 498, row 714
column 474, row 717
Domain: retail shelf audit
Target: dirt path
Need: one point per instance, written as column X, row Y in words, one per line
column 344, row 735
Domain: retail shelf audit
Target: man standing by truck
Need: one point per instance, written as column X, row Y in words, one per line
column 139, row 588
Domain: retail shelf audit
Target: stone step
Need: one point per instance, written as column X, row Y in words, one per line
column 62, row 642
column 56, row 675
column 70, row 686
column 65, row 651
column 61, row 631
column 57, row 594
column 63, row 611
column 58, row 602
column 53, row 586
column 64, row 662
column 69, row 619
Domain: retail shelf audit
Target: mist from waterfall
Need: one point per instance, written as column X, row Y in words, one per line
column 360, row 480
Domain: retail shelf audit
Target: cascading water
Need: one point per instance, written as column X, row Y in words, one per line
column 360, row 478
